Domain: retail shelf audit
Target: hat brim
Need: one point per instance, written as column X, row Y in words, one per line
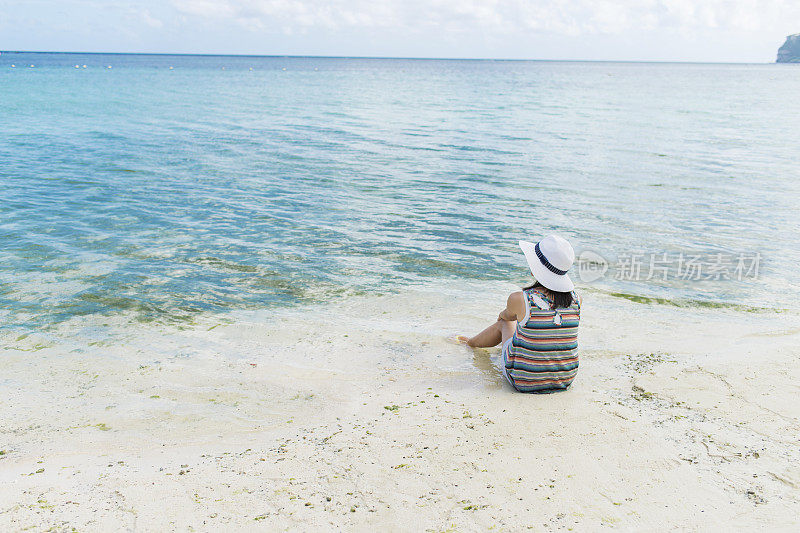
column 551, row 280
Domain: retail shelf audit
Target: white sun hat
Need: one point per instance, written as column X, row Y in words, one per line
column 549, row 260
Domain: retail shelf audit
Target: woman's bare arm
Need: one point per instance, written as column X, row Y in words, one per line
column 515, row 307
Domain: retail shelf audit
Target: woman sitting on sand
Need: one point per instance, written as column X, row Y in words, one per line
column 539, row 326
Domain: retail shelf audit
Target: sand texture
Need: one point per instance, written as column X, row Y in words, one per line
column 680, row 419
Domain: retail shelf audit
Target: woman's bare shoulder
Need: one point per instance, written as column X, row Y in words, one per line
column 516, row 304
column 516, row 296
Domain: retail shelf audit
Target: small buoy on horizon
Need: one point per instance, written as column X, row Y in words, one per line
column 32, row 66
column 315, row 68
column 13, row 66
column 77, row 66
column 109, row 66
column 251, row 68
column 284, row 68
column 84, row 66
column 171, row 68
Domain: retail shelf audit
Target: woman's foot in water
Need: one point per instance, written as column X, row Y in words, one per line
column 459, row 339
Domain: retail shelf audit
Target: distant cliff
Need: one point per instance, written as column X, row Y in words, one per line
column 790, row 51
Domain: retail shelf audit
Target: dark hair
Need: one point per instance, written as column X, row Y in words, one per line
column 561, row 300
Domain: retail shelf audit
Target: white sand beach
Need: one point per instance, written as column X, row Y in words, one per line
column 360, row 416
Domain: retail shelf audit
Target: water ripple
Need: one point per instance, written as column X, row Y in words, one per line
column 164, row 194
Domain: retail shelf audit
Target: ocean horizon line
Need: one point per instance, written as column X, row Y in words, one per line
column 398, row 58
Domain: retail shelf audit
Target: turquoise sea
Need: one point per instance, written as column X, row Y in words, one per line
column 160, row 188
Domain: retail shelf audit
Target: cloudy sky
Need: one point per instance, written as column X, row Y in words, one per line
column 676, row 30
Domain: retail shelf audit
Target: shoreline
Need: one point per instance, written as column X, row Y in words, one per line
column 657, row 433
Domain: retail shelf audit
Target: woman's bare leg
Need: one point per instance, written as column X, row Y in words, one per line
column 491, row 336
column 500, row 331
column 507, row 329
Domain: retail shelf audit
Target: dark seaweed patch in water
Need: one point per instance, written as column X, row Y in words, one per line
column 708, row 304
column 179, row 311
column 143, row 311
column 221, row 264
column 407, row 263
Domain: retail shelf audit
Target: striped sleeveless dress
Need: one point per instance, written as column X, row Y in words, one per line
column 542, row 356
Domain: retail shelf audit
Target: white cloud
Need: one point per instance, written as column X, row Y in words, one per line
column 572, row 18
column 150, row 20
column 695, row 30
column 206, row 8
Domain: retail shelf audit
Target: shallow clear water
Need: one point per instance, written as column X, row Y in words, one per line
column 163, row 193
